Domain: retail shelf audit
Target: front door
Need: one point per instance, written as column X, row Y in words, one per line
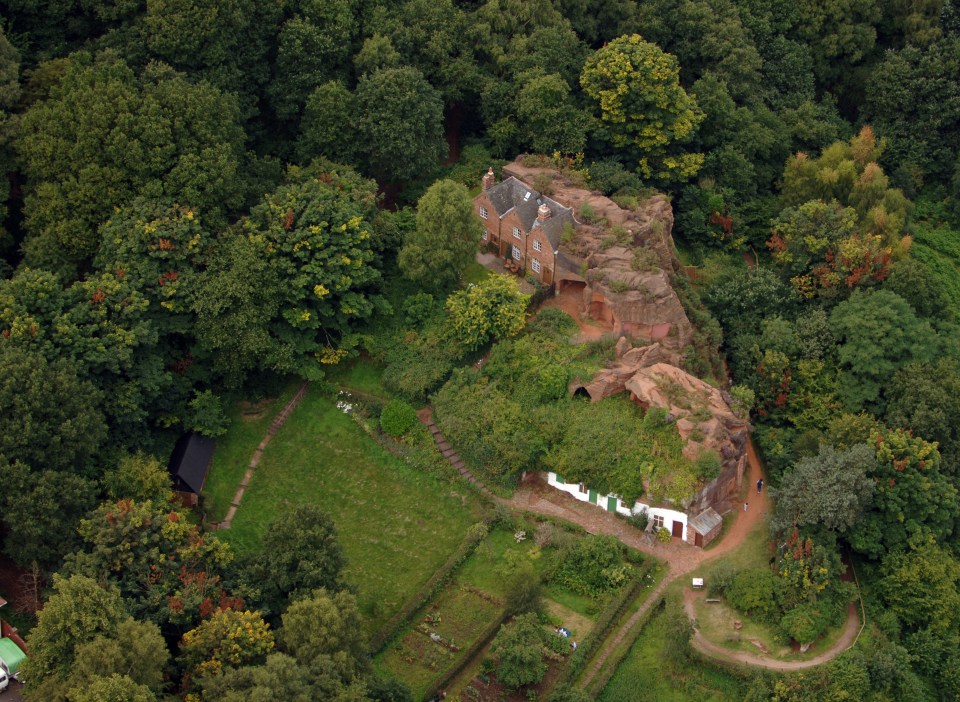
column 698, row 539
column 593, row 496
column 678, row 529
column 611, row 504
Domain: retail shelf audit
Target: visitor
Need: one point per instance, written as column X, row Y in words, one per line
column 759, row 485
column 745, row 506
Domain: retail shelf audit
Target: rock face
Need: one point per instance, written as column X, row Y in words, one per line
column 705, row 422
column 623, row 260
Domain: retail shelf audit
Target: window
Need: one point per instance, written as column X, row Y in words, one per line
column 516, row 232
column 535, row 265
column 658, row 521
column 483, row 213
column 583, row 487
column 526, row 196
column 537, row 246
column 516, row 253
column 485, row 235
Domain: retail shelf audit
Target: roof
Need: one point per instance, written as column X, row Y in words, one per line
column 190, row 461
column 706, row 521
column 513, row 194
column 11, row 655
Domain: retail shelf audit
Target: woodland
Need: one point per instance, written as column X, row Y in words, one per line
column 204, row 201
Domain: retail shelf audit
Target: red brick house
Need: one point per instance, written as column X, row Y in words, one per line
column 522, row 225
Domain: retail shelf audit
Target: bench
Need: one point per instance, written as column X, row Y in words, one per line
column 713, row 600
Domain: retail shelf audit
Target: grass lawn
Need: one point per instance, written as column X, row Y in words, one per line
column 474, row 273
column 248, row 425
column 646, row 675
column 396, row 525
column 363, row 374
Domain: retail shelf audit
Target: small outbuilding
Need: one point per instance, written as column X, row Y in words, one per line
column 189, row 464
column 704, row 528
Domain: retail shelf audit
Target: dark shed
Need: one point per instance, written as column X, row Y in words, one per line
column 190, row 461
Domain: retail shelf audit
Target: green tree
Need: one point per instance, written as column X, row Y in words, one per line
column 316, row 232
column 637, row 89
column 400, row 124
column 840, row 33
column 831, row 490
column 922, row 587
column 518, row 650
column 328, row 127
column 445, row 240
column 136, row 651
column 548, row 118
column 913, row 502
column 494, row 308
column 77, row 612
column 879, row 333
column 326, row 630
column 300, row 554
column 115, row 688
column 106, row 135
column 139, row 477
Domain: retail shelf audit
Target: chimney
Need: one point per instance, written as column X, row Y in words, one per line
column 543, row 213
column 488, row 179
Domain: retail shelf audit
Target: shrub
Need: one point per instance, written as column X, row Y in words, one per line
column 609, row 176
column 645, row 260
column 397, row 418
column 663, row 535
column 707, row 465
column 640, row 520
column 720, row 578
column 587, row 213
column 419, row 308
column 593, row 566
column 755, row 593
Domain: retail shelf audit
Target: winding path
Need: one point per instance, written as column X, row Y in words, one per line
column 535, row 496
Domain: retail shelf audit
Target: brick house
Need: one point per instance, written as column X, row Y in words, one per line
column 522, row 225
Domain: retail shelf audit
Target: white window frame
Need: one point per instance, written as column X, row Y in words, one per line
column 483, row 213
column 516, row 233
column 486, row 235
column 535, row 265
column 516, row 253
column 658, row 521
column 537, row 246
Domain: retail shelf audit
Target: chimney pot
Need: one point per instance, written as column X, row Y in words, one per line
column 543, row 213
column 488, row 179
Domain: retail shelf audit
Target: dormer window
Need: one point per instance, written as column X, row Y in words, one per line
column 516, row 232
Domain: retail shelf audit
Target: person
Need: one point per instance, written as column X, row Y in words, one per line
column 759, row 485
column 745, row 506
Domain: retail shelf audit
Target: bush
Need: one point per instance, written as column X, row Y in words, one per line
column 640, row 520
column 720, row 578
column 419, row 308
column 707, row 465
column 397, row 418
column 594, row 565
column 755, row 593
column 663, row 535
column 609, row 176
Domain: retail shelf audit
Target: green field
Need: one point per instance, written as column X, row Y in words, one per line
column 646, row 675
column 248, row 425
column 396, row 525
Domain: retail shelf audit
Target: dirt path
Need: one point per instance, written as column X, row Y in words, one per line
column 570, row 301
column 713, row 650
column 275, row 425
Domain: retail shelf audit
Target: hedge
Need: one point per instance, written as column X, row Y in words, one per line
column 601, row 627
column 447, row 676
column 475, row 534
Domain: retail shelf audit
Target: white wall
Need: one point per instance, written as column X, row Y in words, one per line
column 669, row 515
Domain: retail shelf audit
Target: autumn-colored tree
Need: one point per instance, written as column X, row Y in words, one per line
column 494, row 308
column 229, row 639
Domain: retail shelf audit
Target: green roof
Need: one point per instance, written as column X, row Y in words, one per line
column 11, row 655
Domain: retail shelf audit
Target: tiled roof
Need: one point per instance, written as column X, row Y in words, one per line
column 513, row 194
column 706, row 521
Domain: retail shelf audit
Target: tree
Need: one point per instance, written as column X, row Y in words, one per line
column 830, row 490
column 166, row 570
column 229, row 639
column 548, row 118
column 922, row 587
column 327, row 630
column 136, row 652
column 840, row 33
column 77, row 612
column 637, row 89
column 400, row 123
column 106, row 135
column 51, row 418
column 494, row 308
column 316, row 234
column 41, row 509
column 879, row 333
column 445, row 241
column 328, row 127
column 518, row 650
column 115, row 688
column 913, row 502
column 300, row 554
